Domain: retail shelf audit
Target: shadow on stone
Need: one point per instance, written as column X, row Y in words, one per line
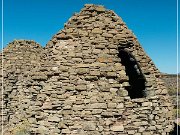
column 176, row 130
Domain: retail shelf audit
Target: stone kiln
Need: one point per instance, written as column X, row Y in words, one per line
column 93, row 77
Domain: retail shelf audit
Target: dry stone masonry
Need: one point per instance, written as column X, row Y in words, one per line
column 92, row 78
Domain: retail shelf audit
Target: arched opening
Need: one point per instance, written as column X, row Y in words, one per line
column 136, row 78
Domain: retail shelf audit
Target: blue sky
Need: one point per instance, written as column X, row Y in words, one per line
column 152, row 21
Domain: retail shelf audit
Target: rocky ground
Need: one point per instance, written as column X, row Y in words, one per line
column 173, row 90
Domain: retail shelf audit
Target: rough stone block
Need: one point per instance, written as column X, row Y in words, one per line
column 96, row 31
column 120, row 106
column 131, row 132
column 117, row 128
column 47, row 105
column 81, row 87
column 152, row 128
column 89, row 126
column 146, row 133
column 98, row 106
column 96, row 111
column 100, row 9
column 147, row 104
column 54, row 119
column 122, row 93
column 107, row 35
column 111, row 74
column 95, row 72
column 107, row 114
column 111, row 105
column 66, row 131
column 82, row 71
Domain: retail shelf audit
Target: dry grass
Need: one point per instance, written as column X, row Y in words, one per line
column 21, row 128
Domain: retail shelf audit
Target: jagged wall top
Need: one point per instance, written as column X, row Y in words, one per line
column 21, row 54
column 94, row 21
column 22, row 44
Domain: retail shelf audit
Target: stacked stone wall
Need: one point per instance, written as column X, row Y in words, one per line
column 19, row 57
column 80, row 85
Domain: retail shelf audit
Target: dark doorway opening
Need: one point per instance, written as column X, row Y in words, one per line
column 137, row 80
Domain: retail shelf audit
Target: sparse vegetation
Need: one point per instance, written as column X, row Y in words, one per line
column 21, row 128
column 171, row 83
